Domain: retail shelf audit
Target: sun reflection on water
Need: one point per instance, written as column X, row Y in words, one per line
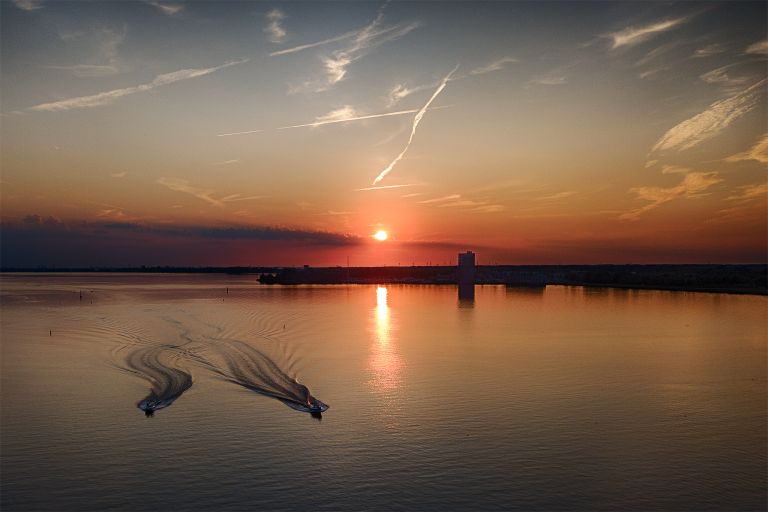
column 385, row 363
column 382, row 316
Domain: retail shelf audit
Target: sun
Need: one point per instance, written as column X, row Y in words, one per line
column 380, row 235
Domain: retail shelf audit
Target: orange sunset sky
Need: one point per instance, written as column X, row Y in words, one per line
column 195, row 133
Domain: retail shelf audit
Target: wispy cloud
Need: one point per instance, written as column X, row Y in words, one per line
column 712, row 121
column 631, row 36
column 113, row 213
column 721, row 77
column 339, row 115
column 28, row 5
column 384, row 187
column 709, row 50
column 362, row 42
column 556, row 196
column 758, row 48
column 179, row 185
column 693, row 185
column 675, row 169
column 307, row 46
column 167, row 8
column 109, row 97
column 401, row 91
column 550, row 79
column 228, row 162
column 749, row 193
column 366, row 39
column 121, row 174
column 108, row 42
column 416, row 120
column 462, row 203
column 442, row 199
column 457, row 201
column 238, row 197
column 758, row 152
column 496, row 65
column 183, row 186
column 274, row 29
column 656, row 53
column 651, row 72
column 491, row 208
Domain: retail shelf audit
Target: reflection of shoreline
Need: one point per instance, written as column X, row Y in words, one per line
column 726, row 278
column 385, row 364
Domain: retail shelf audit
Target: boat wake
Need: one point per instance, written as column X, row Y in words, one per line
column 215, row 347
column 252, row 369
column 158, row 364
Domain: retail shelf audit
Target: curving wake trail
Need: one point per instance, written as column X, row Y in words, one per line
column 252, row 369
column 157, row 364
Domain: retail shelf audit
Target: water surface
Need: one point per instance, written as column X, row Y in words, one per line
column 543, row 399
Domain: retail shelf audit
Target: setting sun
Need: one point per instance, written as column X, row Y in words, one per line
column 380, row 235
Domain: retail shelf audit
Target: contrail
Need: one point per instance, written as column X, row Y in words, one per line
column 312, row 45
column 239, row 133
column 332, row 121
column 384, row 187
column 344, row 120
column 109, row 97
column 416, row 121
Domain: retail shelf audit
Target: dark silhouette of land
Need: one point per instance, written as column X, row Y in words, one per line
column 748, row 278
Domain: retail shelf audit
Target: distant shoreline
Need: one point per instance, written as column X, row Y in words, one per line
column 751, row 279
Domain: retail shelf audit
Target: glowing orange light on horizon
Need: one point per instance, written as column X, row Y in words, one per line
column 380, row 235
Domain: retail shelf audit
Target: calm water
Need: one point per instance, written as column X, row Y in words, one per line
column 563, row 398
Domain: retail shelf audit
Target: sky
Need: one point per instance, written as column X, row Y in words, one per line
column 266, row 133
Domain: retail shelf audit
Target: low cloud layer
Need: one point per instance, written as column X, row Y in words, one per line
column 27, row 242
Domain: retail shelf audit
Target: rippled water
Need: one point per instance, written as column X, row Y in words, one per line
column 550, row 399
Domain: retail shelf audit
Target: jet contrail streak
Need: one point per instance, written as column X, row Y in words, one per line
column 344, row 120
column 384, row 187
column 239, row 133
column 333, row 121
column 416, row 121
column 312, row 45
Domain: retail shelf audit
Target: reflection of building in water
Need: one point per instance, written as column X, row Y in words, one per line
column 467, row 276
column 385, row 363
